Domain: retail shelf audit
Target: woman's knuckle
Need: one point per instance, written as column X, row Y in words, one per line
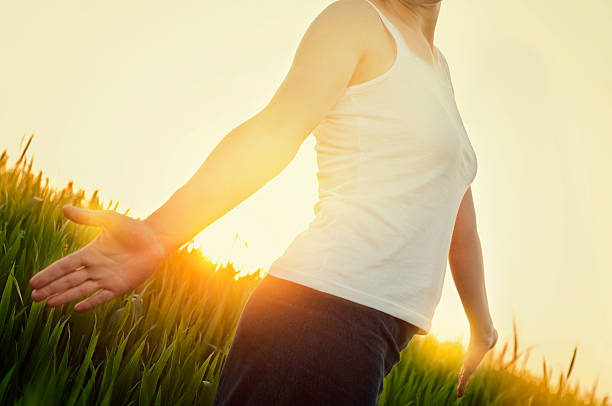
column 85, row 258
column 81, row 290
column 71, row 279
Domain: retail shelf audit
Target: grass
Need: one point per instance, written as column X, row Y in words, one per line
column 165, row 342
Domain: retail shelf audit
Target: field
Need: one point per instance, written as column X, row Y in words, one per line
column 165, row 343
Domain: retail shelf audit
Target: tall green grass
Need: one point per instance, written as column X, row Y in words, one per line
column 165, row 343
column 427, row 375
column 162, row 344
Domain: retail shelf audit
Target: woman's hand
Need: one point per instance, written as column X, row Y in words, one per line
column 122, row 256
column 480, row 344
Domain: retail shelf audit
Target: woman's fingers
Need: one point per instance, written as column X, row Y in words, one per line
column 464, row 377
column 461, row 384
column 57, row 269
column 94, row 300
column 61, row 284
column 476, row 352
column 71, row 294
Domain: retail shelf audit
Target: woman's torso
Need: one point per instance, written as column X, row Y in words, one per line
column 394, row 162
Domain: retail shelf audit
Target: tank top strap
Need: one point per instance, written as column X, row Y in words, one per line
column 446, row 69
column 399, row 40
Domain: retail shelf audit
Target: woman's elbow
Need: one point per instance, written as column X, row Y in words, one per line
column 463, row 242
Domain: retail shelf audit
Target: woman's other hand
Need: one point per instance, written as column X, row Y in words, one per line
column 480, row 344
column 122, row 256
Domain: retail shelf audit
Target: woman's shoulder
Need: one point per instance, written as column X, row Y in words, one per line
column 357, row 15
column 354, row 20
column 357, row 6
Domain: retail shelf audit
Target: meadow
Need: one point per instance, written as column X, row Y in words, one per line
column 166, row 342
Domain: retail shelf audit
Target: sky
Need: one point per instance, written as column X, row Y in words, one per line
column 130, row 97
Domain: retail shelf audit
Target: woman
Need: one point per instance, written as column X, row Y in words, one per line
column 395, row 166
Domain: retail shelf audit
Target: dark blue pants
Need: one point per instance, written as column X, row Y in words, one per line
column 295, row 345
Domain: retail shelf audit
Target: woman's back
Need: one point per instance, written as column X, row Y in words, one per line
column 394, row 162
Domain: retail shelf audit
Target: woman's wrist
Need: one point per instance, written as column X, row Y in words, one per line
column 162, row 245
column 485, row 330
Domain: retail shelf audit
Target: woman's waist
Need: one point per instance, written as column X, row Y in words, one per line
column 357, row 243
column 379, row 214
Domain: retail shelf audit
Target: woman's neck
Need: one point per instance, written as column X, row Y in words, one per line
column 419, row 15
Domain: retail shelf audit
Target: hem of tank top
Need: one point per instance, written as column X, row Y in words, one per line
column 422, row 323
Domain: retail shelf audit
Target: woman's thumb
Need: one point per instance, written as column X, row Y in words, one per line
column 85, row 216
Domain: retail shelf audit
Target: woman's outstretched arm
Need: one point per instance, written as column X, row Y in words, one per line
column 248, row 157
column 128, row 251
column 260, row 148
column 465, row 260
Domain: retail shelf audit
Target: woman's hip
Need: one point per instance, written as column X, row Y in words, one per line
column 294, row 343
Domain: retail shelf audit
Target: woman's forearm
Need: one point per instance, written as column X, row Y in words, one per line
column 465, row 260
column 246, row 159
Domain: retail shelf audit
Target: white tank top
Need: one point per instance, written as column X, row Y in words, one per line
column 394, row 162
